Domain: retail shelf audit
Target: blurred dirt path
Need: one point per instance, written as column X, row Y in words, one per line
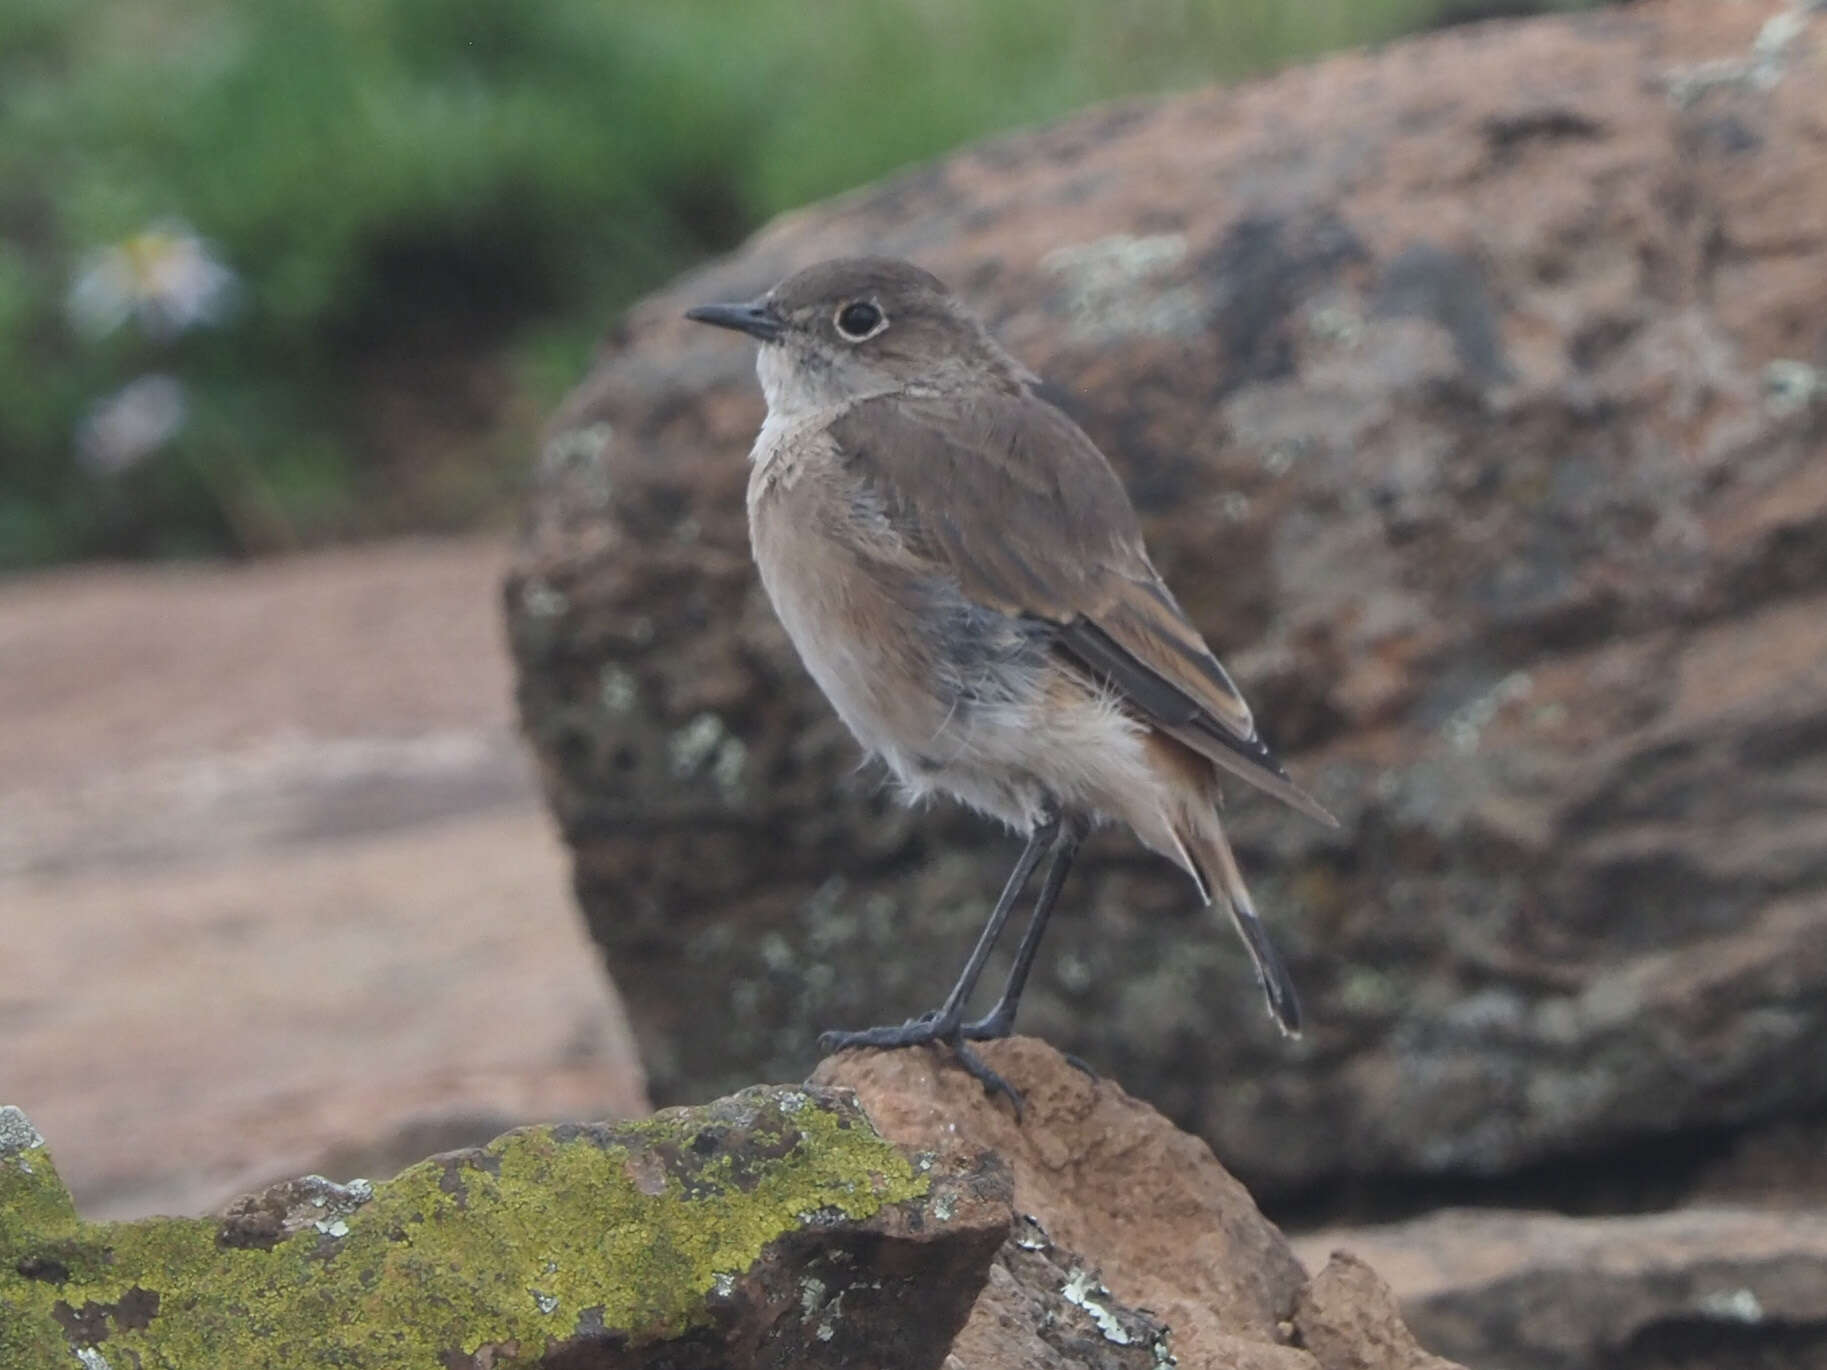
column 276, row 887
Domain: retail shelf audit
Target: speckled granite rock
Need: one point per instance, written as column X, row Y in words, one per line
column 1471, row 391
column 1041, row 1309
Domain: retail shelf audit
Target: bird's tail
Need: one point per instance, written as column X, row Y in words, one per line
column 1207, row 853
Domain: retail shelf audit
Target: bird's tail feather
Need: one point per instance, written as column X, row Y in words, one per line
column 1203, row 840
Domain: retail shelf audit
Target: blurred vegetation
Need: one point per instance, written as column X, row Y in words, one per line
column 431, row 207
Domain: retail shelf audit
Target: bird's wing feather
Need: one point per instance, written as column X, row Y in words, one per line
column 1011, row 498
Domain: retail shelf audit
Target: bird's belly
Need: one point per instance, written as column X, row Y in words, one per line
column 857, row 630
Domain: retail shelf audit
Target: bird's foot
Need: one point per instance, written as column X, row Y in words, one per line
column 999, row 1023
column 993, row 1084
column 928, row 1029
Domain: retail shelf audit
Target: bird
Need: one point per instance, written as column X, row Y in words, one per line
column 963, row 575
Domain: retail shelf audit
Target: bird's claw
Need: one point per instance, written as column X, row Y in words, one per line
column 993, row 1084
column 928, row 1029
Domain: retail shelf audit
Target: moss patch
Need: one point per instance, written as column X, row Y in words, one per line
column 544, row 1233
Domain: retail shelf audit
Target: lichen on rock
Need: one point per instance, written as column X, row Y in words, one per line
column 567, row 1241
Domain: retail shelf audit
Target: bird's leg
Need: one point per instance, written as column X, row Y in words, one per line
column 942, row 1024
column 1000, row 1020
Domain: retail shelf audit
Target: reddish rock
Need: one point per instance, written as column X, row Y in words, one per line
column 1347, row 1317
column 775, row 1228
column 1139, row 1214
column 1103, row 1173
column 1471, row 391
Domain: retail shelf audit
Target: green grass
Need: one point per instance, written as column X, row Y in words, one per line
column 433, row 207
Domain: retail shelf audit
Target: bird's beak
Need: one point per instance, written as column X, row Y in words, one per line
column 758, row 319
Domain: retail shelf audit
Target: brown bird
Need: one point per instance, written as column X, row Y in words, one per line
column 964, row 577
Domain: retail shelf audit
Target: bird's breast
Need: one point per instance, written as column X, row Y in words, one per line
column 856, row 619
column 944, row 690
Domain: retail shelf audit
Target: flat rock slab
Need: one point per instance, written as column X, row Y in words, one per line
column 1541, row 1291
column 276, row 887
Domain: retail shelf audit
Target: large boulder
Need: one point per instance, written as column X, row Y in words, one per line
column 1471, row 394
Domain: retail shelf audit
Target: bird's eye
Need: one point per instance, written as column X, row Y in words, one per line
column 859, row 320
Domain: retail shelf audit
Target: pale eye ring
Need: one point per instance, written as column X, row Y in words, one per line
column 860, row 320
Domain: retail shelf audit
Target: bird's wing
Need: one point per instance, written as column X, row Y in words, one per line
column 1009, row 496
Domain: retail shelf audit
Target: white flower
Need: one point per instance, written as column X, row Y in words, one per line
column 165, row 276
column 131, row 424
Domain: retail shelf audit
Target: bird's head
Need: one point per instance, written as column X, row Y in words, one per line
column 861, row 326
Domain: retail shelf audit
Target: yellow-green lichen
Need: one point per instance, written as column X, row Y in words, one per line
column 517, row 1245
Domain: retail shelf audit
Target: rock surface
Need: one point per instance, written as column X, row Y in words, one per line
column 1042, row 1310
column 268, row 839
column 1472, row 394
column 1538, row 1291
column 770, row 1229
column 1140, row 1215
column 804, row 1226
column 1347, row 1317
